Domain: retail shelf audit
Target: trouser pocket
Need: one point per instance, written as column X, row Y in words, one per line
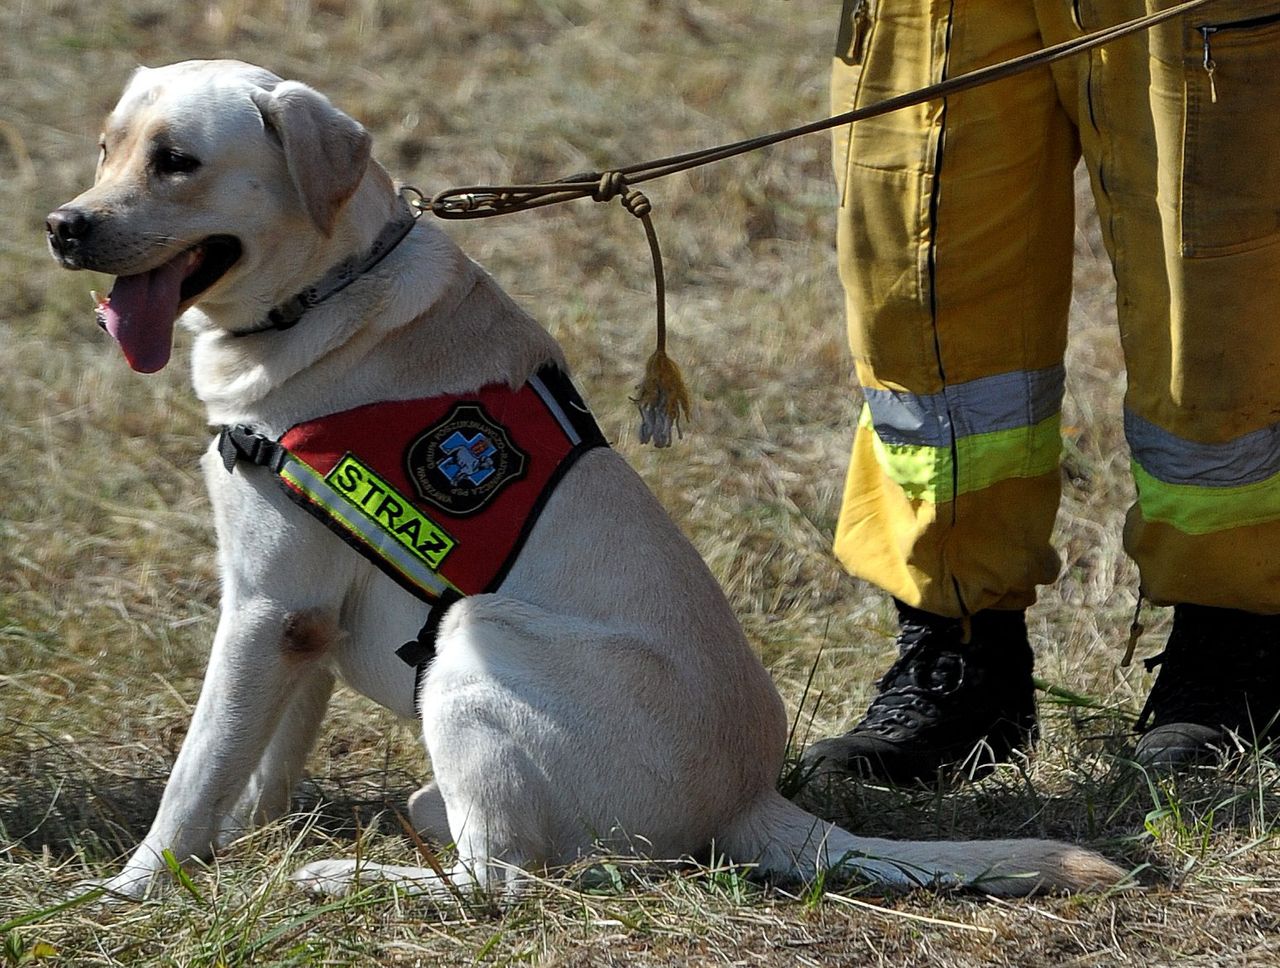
column 855, row 27
column 852, row 41
column 1231, row 162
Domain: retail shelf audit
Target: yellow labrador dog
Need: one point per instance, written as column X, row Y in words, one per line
column 602, row 696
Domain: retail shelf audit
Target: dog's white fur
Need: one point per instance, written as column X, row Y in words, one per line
column 604, row 696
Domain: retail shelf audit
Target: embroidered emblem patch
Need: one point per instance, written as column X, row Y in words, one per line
column 462, row 462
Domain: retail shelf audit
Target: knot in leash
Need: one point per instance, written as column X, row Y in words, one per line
column 613, row 184
column 661, row 397
column 637, row 203
column 610, row 185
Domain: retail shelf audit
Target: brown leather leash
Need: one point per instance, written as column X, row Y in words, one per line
column 486, row 201
column 662, row 397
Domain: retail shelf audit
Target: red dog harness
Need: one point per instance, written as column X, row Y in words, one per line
column 439, row 493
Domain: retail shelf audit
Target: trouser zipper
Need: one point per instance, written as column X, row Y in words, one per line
column 1208, row 30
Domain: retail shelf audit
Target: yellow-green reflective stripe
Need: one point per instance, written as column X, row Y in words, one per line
column 1204, row 510
column 390, row 511
column 925, row 473
column 986, row 459
column 308, row 480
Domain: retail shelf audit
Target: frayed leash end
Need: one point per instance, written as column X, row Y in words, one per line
column 663, row 400
column 661, row 396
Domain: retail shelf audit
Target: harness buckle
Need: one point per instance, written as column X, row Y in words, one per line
column 240, row 443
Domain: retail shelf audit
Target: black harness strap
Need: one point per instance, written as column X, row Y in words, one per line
column 420, row 651
column 240, row 443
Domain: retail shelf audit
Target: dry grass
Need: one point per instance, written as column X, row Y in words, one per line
column 108, row 592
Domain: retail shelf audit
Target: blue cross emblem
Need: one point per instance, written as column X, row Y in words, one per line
column 469, row 459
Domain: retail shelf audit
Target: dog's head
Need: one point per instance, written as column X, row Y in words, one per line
column 217, row 182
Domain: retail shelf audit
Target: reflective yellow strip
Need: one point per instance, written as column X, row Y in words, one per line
column 363, row 522
column 390, row 511
column 923, row 472
column 986, row 459
column 1204, row 510
column 926, row 473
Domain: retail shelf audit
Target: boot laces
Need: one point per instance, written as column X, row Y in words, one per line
column 914, row 687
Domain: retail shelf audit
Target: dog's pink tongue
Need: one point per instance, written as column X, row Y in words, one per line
column 141, row 310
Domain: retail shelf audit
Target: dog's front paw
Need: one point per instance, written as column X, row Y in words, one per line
column 125, row 886
column 326, row 877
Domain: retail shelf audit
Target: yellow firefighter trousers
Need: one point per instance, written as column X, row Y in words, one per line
column 955, row 243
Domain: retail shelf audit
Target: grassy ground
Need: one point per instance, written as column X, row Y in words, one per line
column 108, row 592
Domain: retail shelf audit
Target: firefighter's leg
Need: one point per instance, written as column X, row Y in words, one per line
column 955, row 241
column 1187, row 170
column 955, row 245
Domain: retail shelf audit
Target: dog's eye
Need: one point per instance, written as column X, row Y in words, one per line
column 167, row 161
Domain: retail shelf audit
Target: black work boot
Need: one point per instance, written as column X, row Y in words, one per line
column 1219, row 676
column 945, row 704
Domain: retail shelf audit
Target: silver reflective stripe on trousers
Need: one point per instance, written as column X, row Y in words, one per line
column 1249, row 459
column 1021, row 398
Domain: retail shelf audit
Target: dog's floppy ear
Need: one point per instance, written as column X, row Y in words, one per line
column 326, row 151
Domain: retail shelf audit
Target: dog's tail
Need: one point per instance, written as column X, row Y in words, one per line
column 788, row 843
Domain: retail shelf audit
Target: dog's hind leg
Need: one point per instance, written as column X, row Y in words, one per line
column 508, row 728
column 487, row 797
column 429, row 816
column 553, row 737
column 506, row 775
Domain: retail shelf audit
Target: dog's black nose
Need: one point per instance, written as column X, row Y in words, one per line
column 66, row 225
